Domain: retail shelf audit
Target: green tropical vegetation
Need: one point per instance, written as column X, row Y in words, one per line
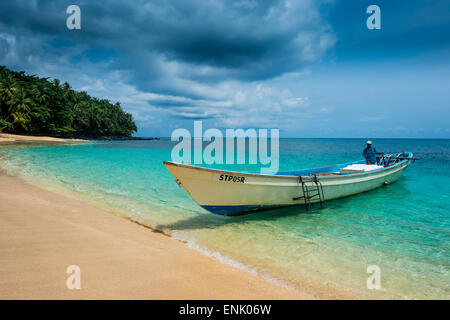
column 33, row 105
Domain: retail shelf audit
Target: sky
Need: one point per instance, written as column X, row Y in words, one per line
column 308, row 68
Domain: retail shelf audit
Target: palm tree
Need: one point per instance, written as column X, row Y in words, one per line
column 20, row 107
column 6, row 92
column 38, row 105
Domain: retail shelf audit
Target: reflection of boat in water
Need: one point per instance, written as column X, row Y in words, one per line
column 229, row 193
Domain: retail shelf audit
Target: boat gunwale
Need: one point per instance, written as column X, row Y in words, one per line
column 337, row 176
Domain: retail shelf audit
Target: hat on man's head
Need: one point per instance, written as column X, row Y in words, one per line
column 369, row 142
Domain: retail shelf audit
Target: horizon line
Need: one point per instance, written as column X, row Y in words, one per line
column 357, row 138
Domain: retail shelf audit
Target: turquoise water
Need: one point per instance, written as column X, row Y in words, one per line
column 403, row 228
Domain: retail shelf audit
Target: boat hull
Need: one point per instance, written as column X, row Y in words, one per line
column 228, row 193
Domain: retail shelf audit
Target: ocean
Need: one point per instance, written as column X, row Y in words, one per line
column 403, row 228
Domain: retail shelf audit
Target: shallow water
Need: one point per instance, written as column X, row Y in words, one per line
column 403, row 228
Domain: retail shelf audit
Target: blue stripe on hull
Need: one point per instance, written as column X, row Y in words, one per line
column 235, row 210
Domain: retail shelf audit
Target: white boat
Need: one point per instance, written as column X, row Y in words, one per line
column 230, row 193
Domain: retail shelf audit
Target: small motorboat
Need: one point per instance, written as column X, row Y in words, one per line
column 231, row 193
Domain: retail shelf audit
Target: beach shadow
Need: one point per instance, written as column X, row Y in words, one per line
column 210, row 221
column 391, row 192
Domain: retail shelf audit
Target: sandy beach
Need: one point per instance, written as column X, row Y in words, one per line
column 42, row 233
column 6, row 138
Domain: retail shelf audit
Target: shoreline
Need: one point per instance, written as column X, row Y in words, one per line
column 304, row 286
column 10, row 138
column 43, row 232
column 13, row 139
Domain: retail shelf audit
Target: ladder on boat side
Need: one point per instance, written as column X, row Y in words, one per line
column 310, row 193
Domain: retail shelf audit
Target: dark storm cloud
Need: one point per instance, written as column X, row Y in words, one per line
column 247, row 40
column 239, row 63
column 179, row 48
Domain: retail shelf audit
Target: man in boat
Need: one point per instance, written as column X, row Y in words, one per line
column 370, row 154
